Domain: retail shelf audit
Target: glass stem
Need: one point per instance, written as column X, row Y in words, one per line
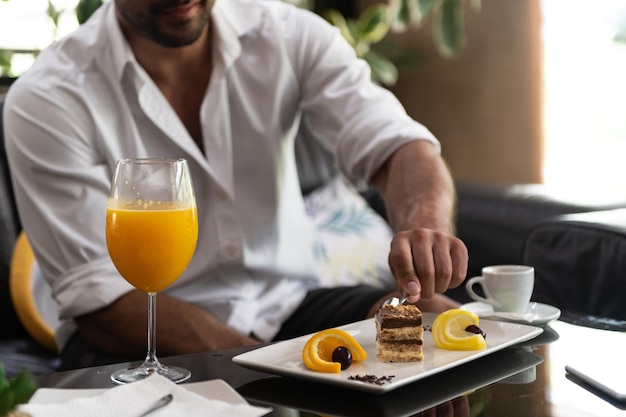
column 151, row 359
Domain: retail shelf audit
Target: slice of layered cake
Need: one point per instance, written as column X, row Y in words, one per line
column 399, row 333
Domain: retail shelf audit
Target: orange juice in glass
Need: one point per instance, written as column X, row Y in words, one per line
column 151, row 233
column 151, row 246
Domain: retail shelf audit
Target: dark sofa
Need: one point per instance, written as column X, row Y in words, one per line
column 495, row 221
column 17, row 349
column 579, row 258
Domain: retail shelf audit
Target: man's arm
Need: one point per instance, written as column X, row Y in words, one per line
column 425, row 256
column 181, row 327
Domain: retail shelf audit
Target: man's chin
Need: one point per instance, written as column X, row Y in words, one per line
column 180, row 33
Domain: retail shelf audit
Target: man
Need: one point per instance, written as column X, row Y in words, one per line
column 224, row 84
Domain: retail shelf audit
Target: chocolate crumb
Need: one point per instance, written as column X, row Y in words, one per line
column 372, row 379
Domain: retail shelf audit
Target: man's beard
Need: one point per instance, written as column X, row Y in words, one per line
column 168, row 33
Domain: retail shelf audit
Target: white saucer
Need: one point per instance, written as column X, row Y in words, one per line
column 538, row 314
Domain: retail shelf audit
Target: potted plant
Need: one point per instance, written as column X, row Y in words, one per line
column 368, row 33
column 15, row 391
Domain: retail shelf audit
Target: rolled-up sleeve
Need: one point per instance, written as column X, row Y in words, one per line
column 54, row 158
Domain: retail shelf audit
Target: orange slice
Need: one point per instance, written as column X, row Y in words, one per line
column 318, row 350
column 449, row 331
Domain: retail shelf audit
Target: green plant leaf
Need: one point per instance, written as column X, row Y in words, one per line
column 23, row 387
column 86, row 8
column 5, row 62
column 15, row 391
column 384, row 71
column 304, row 4
column 4, row 382
column 448, row 28
column 7, row 402
column 53, row 13
column 426, row 7
column 402, row 14
column 336, row 19
column 402, row 55
column 373, row 23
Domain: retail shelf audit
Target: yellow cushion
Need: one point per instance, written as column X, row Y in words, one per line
column 20, row 285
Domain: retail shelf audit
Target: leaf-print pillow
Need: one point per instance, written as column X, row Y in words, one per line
column 352, row 240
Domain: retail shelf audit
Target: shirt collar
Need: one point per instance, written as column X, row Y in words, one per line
column 231, row 19
column 122, row 54
column 240, row 15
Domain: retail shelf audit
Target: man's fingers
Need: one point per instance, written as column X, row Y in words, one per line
column 442, row 261
column 403, row 270
column 413, row 287
column 423, row 251
column 460, row 259
column 426, row 262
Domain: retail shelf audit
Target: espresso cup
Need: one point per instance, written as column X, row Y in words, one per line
column 507, row 288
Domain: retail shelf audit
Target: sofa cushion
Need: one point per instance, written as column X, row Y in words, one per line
column 32, row 296
column 352, row 244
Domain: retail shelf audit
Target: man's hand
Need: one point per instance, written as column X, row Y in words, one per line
column 426, row 261
column 425, row 256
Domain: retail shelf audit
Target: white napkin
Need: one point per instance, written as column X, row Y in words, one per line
column 131, row 400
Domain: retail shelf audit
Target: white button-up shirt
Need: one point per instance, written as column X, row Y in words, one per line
column 87, row 103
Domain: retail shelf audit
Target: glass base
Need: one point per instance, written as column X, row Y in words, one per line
column 173, row 373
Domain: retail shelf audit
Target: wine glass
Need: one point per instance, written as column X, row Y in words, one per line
column 151, row 234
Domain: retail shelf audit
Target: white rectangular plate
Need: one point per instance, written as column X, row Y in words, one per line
column 285, row 358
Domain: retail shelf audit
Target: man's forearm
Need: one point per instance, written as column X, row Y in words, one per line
column 417, row 188
column 424, row 256
column 121, row 328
